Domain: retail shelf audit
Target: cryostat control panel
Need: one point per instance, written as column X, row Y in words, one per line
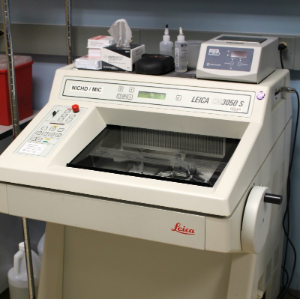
column 228, row 102
column 50, row 131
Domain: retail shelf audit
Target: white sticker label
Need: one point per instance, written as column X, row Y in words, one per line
column 32, row 148
column 85, row 88
column 214, row 52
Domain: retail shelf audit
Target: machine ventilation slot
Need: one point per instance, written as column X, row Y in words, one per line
column 275, row 183
column 276, row 258
column 268, row 271
column 165, row 140
column 281, row 177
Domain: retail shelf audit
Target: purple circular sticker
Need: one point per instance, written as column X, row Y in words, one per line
column 260, row 95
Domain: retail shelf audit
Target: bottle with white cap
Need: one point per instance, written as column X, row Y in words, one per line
column 166, row 46
column 180, row 53
column 17, row 276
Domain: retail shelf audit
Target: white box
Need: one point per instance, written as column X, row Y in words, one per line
column 100, row 41
column 121, row 58
column 94, row 52
column 88, row 62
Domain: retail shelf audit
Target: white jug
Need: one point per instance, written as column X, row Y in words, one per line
column 17, row 276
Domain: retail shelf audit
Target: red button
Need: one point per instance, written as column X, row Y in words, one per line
column 75, row 108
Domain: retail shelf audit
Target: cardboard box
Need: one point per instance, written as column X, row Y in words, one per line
column 121, row 59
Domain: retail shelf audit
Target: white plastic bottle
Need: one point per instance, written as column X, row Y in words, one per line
column 17, row 276
column 166, row 46
column 180, row 53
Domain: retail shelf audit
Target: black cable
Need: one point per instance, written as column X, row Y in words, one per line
column 282, row 47
column 287, row 276
column 286, row 214
column 292, row 295
column 281, row 60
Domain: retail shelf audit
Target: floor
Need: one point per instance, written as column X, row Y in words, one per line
column 5, row 295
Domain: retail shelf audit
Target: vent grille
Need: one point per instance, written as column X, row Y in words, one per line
column 154, row 139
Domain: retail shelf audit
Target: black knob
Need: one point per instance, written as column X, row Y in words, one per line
column 273, row 198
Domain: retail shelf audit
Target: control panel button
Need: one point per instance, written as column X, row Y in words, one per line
column 75, row 108
column 131, row 89
column 45, row 133
column 52, row 129
column 130, row 96
column 119, row 96
column 67, row 111
column 60, row 130
column 121, row 88
column 72, row 116
column 61, row 119
column 51, row 134
column 44, row 128
column 58, row 135
column 178, row 98
column 38, row 133
column 33, row 139
column 69, row 120
column 124, row 96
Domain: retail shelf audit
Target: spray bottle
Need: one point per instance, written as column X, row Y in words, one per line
column 166, row 46
column 180, row 53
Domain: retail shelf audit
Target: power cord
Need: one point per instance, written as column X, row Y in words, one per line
column 286, row 218
column 282, row 47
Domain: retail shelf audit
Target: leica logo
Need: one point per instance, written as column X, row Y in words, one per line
column 182, row 229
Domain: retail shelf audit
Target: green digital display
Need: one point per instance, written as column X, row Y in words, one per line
column 152, row 95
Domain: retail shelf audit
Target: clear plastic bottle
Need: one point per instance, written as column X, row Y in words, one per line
column 17, row 276
column 166, row 46
column 180, row 53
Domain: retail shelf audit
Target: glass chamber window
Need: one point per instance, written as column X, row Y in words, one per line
column 180, row 157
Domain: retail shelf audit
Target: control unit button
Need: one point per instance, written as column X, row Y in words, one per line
column 131, row 89
column 67, row 111
column 52, row 129
column 38, row 139
column 58, row 135
column 45, row 133
column 44, row 128
column 231, row 63
column 61, row 119
column 119, row 96
column 75, row 108
column 239, row 63
column 69, row 120
column 64, row 115
column 124, row 96
column 33, row 139
column 130, row 96
column 38, row 133
column 121, row 88
column 72, row 116
column 51, row 134
column 60, row 130
column 178, row 98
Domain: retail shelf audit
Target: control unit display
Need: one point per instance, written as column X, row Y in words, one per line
column 50, row 131
column 228, row 58
column 152, row 95
column 230, row 102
